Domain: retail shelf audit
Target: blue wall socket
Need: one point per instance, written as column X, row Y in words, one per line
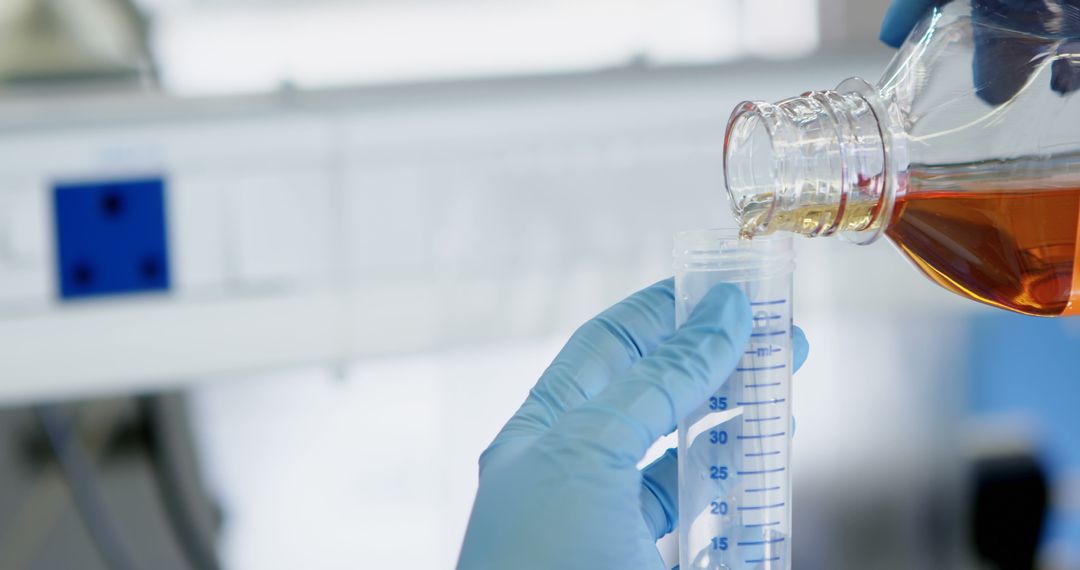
column 111, row 237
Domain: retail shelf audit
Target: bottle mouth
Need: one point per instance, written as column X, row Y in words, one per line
column 752, row 165
column 814, row 165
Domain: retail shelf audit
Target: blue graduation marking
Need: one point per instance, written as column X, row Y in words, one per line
column 762, row 402
column 761, row 542
column 761, row 368
column 762, row 471
column 761, row 507
column 764, row 435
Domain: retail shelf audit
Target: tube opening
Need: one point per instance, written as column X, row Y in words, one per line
column 724, row 250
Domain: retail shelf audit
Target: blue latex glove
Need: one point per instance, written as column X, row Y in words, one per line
column 900, row 18
column 1004, row 61
column 559, row 486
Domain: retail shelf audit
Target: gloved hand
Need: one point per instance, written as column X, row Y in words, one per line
column 1004, row 59
column 559, row 486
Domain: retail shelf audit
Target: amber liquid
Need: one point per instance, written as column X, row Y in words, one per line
column 1009, row 241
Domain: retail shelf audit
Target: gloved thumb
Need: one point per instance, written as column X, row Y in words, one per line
column 620, row 423
column 900, row 18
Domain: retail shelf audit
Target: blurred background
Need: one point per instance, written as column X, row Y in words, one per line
column 359, row 230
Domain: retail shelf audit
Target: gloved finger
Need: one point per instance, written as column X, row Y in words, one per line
column 660, row 494
column 603, row 348
column 1014, row 39
column 660, row 479
column 900, row 18
column 620, row 423
column 800, row 348
column 1004, row 62
column 1065, row 71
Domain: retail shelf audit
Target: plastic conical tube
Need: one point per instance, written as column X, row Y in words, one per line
column 735, row 449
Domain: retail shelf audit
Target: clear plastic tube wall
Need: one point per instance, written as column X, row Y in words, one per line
column 735, row 449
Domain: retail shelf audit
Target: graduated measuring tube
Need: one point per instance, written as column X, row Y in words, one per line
column 735, row 449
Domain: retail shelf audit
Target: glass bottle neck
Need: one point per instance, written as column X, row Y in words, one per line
column 813, row 165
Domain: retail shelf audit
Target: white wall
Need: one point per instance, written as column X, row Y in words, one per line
column 384, row 221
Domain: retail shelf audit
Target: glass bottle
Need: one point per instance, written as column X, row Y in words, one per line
column 966, row 154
